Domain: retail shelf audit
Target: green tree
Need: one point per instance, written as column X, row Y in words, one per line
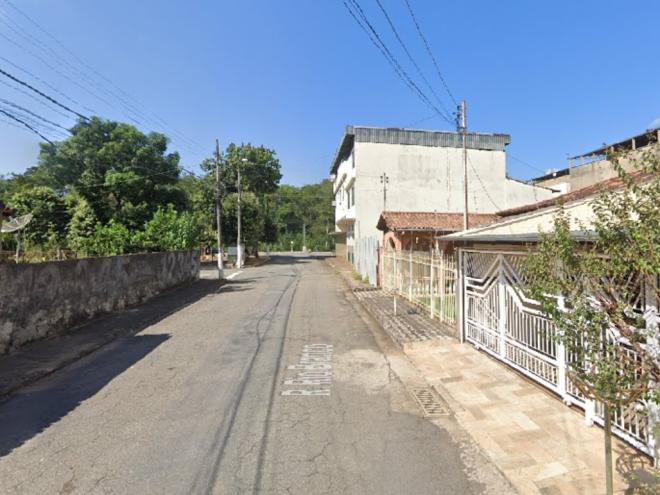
column 168, row 231
column 590, row 290
column 252, row 225
column 82, row 225
column 50, row 215
column 124, row 174
column 260, row 173
column 111, row 239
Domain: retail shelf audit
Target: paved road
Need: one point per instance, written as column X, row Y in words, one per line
column 205, row 402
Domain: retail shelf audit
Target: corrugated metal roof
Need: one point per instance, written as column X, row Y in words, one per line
column 415, row 137
column 442, row 139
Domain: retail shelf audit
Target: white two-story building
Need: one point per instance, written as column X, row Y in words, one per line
column 381, row 169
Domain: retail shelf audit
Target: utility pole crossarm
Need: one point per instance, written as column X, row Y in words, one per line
column 384, row 180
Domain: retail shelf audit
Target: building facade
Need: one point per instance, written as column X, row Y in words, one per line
column 594, row 166
column 378, row 169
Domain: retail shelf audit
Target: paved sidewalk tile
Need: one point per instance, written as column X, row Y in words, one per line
column 541, row 445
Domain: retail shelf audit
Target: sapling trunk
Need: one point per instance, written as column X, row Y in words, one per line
column 609, row 485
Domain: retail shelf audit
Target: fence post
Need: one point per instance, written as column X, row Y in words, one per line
column 395, row 285
column 442, row 292
column 562, row 376
column 432, row 292
column 459, row 299
column 501, row 319
column 410, row 277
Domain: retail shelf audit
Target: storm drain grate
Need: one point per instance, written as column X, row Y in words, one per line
column 428, row 402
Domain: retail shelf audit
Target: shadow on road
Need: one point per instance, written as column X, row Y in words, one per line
column 79, row 365
column 35, row 408
column 294, row 258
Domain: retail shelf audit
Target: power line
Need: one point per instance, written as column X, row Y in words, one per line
column 31, row 96
column 126, row 104
column 368, row 28
column 45, row 83
column 395, row 63
column 13, row 117
column 51, row 132
column 42, row 94
column 527, row 164
column 410, row 57
column 19, row 107
column 482, row 184
column 429, row 51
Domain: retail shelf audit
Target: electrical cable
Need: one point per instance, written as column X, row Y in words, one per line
column 429, row 51
column 410, row 57
column 42, row 94
column 127, row 105
column 13, row 117
column 368, row 28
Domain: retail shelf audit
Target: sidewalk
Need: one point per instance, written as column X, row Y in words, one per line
column 541, row 446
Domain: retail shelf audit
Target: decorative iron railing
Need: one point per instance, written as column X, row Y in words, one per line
column 500, row 319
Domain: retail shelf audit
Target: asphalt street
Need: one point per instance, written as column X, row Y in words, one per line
column 277, row 382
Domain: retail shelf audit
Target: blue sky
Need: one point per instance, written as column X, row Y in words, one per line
column 561, row 77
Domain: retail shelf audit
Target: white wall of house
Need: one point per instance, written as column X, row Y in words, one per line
column 421, row 178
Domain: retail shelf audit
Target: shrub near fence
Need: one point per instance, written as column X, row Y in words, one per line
column 427, row 279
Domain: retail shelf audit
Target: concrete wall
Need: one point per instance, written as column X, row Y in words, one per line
column 38, row 300
column 587, row 174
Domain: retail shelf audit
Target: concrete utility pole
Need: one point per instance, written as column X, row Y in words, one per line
column 384, row 180
column 461, row 124
column 218, row 209
column 239, row 254
column 304, row 237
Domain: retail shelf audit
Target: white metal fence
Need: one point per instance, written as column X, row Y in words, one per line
column 499, row 319
column 427, row 279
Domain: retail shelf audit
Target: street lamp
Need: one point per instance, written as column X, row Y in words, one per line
column 239, row 254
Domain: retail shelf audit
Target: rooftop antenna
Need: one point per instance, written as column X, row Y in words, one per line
column 15, row 225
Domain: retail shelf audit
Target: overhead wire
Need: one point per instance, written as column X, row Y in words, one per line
column 474, row 170
column 25, row 124
column 429, row 51
column 363, row 22
column 410, row 57
column 30, row 112
column 42, row 94
column 113, row 93
column 34, row 98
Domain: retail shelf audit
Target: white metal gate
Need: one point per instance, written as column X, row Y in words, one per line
column 498, row 318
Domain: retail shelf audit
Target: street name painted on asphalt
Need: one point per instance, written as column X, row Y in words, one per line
column 314, row 370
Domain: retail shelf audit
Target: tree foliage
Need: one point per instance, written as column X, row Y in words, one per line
column 112, row 189
column 50, row 214
column 592, row 290
column 122, row 173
